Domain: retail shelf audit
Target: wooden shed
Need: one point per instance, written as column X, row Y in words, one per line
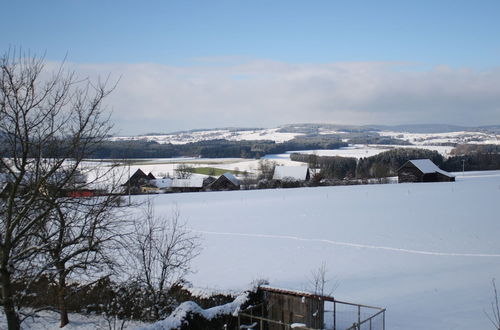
column 422, row 170
column 294, row 307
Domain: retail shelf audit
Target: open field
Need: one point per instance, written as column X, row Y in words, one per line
column 427, row 252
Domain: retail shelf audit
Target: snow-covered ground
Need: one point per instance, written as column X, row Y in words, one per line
column 427, row 252
column 48, row 320
column 279, row 137
column 460, row 137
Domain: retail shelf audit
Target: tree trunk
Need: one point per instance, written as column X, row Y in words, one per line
column 8, row 304
column 61, row 299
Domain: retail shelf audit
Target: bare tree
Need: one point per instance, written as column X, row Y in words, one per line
column 79, row 238
column 494, row 316
column 266, row 169
column 161, row 249
column 184, row 171
column 319, row 282
column 47, row 127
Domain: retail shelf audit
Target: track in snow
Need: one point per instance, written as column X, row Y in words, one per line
column 355, row 245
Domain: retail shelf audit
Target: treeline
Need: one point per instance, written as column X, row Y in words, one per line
column 387, row 163
column 211, row 149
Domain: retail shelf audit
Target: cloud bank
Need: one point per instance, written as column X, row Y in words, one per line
column 258, row 93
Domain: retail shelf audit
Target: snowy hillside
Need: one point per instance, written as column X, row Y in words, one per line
column 206, row 135
column 288, row 132
column 427, row 252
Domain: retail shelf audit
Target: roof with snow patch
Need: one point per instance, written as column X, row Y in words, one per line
column 426, row 166
column 192, row 182
column 232, row 178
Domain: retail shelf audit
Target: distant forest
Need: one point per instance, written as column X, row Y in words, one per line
column 212, row 148
column 234, row 149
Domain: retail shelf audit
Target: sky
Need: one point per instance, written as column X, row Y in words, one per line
column 205, row 64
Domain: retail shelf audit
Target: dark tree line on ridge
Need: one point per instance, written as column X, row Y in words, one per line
column 470, row 158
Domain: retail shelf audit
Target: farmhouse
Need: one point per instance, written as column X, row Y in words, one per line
column 138, row 178
column 227, row 181
column 163, row 184
column 422, row 170
column 149, row 188
column 291, row 173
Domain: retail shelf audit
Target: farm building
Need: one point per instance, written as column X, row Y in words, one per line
column 422, row 170
column 149, row 188
column 138, row 178
column 194, row 183
column 291, row 173
column 163, row 184
column 227, row 181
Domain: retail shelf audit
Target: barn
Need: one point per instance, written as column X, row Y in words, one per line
column 226, row 181
column 192, row 184
column 422, row 170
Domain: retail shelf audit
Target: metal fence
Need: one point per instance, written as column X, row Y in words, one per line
column 338, row 315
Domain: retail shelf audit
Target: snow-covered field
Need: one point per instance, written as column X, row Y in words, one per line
column 460, row 137
column 205, row 135
column 279, row 137
column 426, row 252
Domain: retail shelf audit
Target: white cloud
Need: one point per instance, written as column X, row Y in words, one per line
column 161, row 98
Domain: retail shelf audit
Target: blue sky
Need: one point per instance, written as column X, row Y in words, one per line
column 272, row 43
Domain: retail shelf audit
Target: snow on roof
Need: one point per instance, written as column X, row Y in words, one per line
column 162, row 183
column 232, row 178
column 298, row 173
column 192, row 182
column 427, row 166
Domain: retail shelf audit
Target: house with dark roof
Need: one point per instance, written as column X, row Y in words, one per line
column 226, row 181
column 422, row 170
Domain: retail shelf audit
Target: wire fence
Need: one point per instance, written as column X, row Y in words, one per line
column 338, row 315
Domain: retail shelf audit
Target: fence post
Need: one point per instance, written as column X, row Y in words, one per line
column 334, row 315
column 359, row 316
column 383, row 320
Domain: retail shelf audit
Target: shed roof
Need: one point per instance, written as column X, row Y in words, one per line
column 162, row 183
column 298, row 173
column 426, row 166
column 192, row 182
column 230, row 176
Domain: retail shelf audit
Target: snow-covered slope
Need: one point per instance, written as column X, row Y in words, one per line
column 205, row 135
column 427, row 252
column 288, row 132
